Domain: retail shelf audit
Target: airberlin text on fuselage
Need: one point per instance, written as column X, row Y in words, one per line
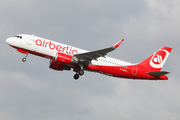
column 53, row 46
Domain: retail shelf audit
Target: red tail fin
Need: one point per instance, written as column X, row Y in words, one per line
column 156, row 61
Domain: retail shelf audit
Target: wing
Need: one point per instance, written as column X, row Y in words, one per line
column 89, row 56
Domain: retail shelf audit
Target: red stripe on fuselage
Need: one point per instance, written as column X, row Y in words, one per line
column 125, row 72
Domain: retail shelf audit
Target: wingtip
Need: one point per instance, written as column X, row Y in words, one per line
column 118, row 43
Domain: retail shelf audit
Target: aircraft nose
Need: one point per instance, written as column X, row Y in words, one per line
column 9, row 41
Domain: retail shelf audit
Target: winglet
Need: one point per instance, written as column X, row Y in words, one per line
column 117, row 44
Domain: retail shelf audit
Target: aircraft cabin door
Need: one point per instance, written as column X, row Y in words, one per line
column 135, row 69
column 29, row 40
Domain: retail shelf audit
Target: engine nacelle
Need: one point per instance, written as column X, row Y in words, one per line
column 65, row 59
column 56, row 65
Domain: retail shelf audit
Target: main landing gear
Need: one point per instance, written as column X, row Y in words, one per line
column 24, row 59
column 76, row 76
column 80, row 73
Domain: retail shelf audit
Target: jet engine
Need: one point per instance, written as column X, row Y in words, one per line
column 56, row 65
column 65, row 59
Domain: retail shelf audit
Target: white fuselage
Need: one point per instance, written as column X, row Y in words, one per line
column 50, row 48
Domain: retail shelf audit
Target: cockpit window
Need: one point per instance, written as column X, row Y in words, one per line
column 18, row 36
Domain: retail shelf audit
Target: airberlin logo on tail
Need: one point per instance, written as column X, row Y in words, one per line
column 53, row 46
column 159, row 58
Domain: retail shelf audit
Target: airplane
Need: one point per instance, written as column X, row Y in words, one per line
column 66, row 57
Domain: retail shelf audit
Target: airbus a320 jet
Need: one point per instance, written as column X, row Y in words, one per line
column 66, row 57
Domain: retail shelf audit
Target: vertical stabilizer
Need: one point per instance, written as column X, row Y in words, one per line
column 156, row 61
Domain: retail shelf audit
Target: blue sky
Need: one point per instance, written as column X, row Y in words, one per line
column 31, row 90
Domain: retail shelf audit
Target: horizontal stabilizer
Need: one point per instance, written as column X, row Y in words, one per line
column 157, row 74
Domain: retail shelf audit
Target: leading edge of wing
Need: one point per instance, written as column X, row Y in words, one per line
column 93, row 55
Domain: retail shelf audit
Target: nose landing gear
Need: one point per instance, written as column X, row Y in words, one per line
column 24, row 52
column 24, row 59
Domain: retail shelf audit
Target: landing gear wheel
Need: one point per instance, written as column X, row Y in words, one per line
column 76, row 76
column 81, row 72
column 24, row 59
